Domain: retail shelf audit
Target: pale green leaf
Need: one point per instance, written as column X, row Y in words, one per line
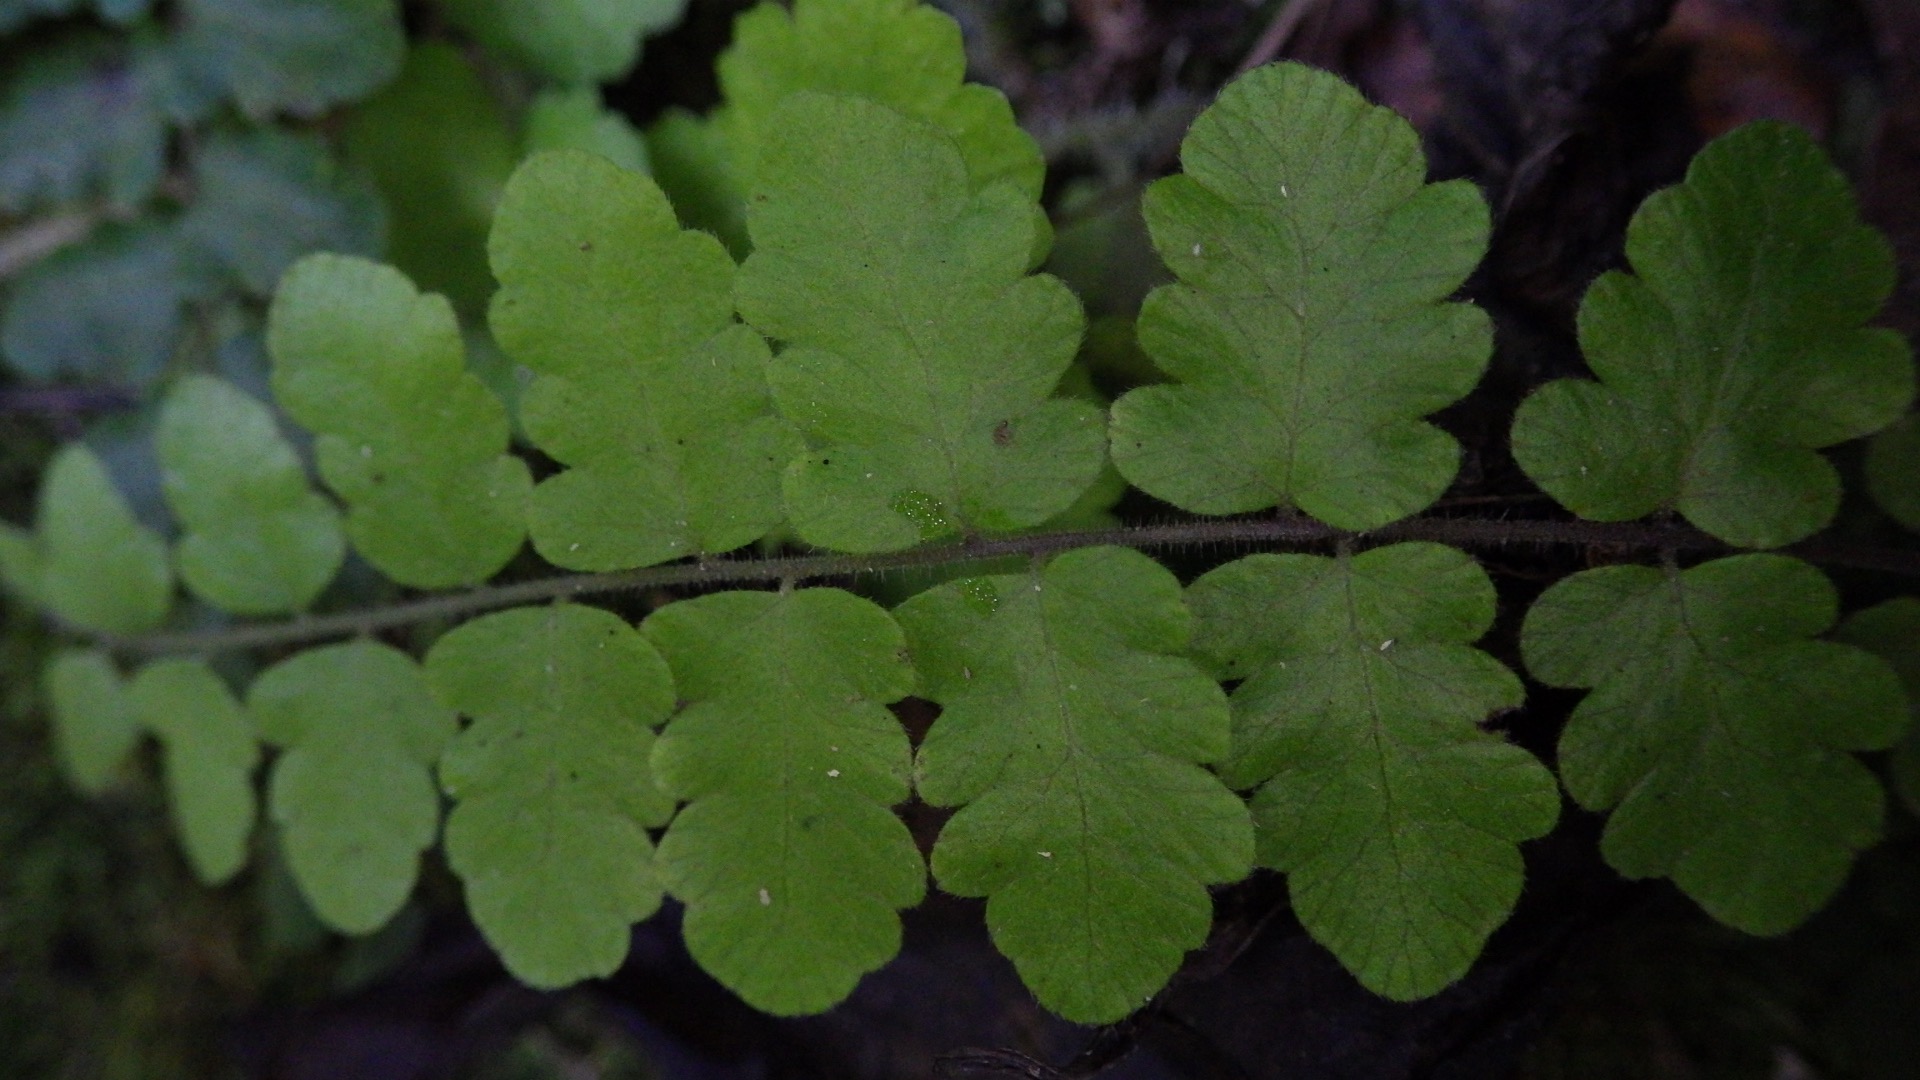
column 1732, row 353
column 1308, row 332
column 1891, row 631
column 568, row 41
column 646, row 385
column 899, row 53
column 1393, row 814
column 411, row 441
column 352, row 790
column 258, row 540
column 553, row 791
column 1072, row 738
column 919, row 353
column 1716, row 732
column 100, row 569
column 575, row 119
column 790, row 863
column 1893, row 471
column 295, row 56
column 265, row 197
column 93, row 725
column 437, row 143
column 107, row 310
column 80, row 118
column 210, row 753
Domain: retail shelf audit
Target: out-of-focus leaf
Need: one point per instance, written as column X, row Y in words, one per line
column 921, row 357
column 575, row 119
column 647, row 388
column 267, row 197
column 1893, row 471
column 93, row 725
column 97, row 568
column 1891, row 631
column 296, row 56
column 568, row 41
column 107, row 310
column 210, row 753
column 259, row 540
column 438, row 146
column 17, row 13
column 80, row 118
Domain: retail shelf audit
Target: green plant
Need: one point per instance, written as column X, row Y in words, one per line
column 908, row 414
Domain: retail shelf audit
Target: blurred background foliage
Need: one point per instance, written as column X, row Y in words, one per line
column 162, row 161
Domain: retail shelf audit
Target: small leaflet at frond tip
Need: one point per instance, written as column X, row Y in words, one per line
column 920, row 356
column 98, row 568
column 552, row 790
column 1309, row 331
column 352, row 790
column 1717, row 731
column 1395, row 817
column 259, row 540
column 1891, row 631
column 1073, row 739
column 1893, row 471
column 1733, row 352
column 93, row 725
column 413, row 442
column 210, row 753
column 791, row 863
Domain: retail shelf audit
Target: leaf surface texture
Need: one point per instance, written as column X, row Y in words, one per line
column 1307, row 333
column 1393, row 814
column 789, row 859
column 1072, row 737
column 646, row 385
column 553, row 793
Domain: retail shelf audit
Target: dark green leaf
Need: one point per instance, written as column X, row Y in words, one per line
column 1732, row 353
column 1716, row 731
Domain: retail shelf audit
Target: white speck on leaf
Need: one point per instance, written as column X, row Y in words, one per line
column 833, row 773
column 766, row 898
column 1387, row 644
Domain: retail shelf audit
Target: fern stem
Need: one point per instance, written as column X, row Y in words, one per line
column 1282, row 533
